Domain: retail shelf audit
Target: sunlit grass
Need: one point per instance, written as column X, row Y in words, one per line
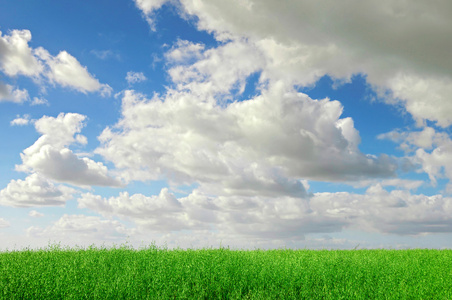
column 157, row 273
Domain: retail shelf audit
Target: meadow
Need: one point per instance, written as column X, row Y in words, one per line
column 158, row 273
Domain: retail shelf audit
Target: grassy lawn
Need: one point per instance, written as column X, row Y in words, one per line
column 153, row 273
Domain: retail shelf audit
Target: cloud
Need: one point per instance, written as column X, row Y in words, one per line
column 214, row 71
column 410, row 141
column 395, row 212
column 9, row 94
column 184, row 51
column 199, row 133
column 106, row 54
column 283, row 217
column 406, row 184
column 67, row 71
column 134, row 77
column 82, row 229
column 148, row 7
column 35, row 190
column 35, row 214
column 4, row 223
column 279, row 218
column 267, row 142
column 400, row 46
column 50, row 156
column 20, row 121
column 430, row 150
column 17, row 58
column 39, row 101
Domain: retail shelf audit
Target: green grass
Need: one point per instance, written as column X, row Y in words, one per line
column 153, row 273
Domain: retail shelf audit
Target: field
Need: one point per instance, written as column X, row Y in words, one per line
column 154, row 273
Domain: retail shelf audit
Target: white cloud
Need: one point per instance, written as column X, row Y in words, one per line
column 134, row 77
column 35, row 190
column 148, row 7
column 214, row 71
column 81, row 229
column 67, row 71
column 265, row 143
column 283, row 217
column 431, row 150
column 425, row 98
column 9, row 94
column 16, row 57
column 184, row 51
column 395, row 212
column 400, row 46
column 410, row 141
column 4, row 223
column 279, row 218
column 35, row 214
column 162, row 212
column 39, row 101
column 20, row 121
column 50, row 156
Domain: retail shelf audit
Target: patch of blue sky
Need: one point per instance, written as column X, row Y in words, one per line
column 333, row 187
column 148, row 188
column 371, row 117
column 251, row 88
column 184, row 190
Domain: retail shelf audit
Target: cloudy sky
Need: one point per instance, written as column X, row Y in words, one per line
column 242, row 123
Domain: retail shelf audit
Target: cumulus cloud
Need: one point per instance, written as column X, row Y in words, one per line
column 400, row 46
column 134, row 77
column 50, row 156
column 35, row 190
column 17, row 58
column 265, row 143
column 20, row 121
column 199, row 133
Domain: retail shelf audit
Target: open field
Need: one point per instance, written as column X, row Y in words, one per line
column 155, row 273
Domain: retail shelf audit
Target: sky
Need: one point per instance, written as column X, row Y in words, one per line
column 244, row 124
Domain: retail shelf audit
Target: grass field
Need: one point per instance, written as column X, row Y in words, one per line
column 157, row 273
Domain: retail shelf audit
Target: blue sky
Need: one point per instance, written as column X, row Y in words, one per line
column 247, row 123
